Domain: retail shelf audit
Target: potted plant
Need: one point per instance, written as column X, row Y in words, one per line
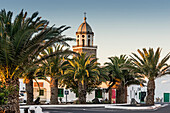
column 3, row 97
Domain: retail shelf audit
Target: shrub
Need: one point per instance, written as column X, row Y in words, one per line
column 3, row 94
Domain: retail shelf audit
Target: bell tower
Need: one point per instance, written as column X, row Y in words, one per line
column 85, row 39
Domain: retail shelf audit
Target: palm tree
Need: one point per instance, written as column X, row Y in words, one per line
column 68, row 81
column 121, row 76
column 84, row 70
column 53, row 68
column 21, row 41
column 29, row 75
column 148, row 64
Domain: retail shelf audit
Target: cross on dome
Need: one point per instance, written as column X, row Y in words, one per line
column 84, row 14
column 85, row 17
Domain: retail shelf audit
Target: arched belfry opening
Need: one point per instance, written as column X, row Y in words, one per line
column 88, row 42
column 83, row 42
column 77, row 42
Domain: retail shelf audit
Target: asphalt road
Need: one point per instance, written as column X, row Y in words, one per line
column 103, row 110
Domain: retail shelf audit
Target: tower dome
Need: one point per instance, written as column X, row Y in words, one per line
column 84, row 34
column 84, row 27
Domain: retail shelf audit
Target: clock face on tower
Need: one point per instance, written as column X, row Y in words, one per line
column 84, row 39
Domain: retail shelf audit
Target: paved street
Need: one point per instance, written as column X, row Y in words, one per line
column 102, row 110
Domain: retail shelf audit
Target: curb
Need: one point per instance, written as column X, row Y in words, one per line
column 66, row 106
column 156, row 106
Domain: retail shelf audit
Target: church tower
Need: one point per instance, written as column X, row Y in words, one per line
column 85, row 39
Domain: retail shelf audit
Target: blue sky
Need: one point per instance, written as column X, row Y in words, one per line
column 120, row 26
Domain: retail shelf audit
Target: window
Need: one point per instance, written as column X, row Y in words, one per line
column 22, row 94
column 83, row 41
column 78, row 42
column 142, row 96
column 98, row 93
column 88, row 42
column 83, row 36
column 41, row 92
column 88, row 36
column 60, row 92
column 77, row 95
column 77, row 36
column 41, row 84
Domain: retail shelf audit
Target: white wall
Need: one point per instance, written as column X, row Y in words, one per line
column 133, row 90
column 70, row 98
column 90, row 96
column 46, row 87
column 162, row 85
column 21, row 85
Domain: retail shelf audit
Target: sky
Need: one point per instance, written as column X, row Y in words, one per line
column 119, row 26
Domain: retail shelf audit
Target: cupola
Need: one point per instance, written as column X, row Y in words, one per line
column 84, row 34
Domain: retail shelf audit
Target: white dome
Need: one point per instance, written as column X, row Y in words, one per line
column 84, row 27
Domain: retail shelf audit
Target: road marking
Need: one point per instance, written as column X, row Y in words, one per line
column 56, row 112
column 164, row 105
column 101, row 110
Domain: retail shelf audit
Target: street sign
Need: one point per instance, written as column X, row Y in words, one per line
column 104, row 90
column 66, row 92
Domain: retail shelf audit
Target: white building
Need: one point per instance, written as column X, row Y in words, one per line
column 45, row 94
column 162, row 85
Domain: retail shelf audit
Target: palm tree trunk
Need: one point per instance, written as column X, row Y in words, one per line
column 110, row 95
column 54, row 91
column 120, row 94
column 82, row 93
column 13, row 97
column 29, row 90
column 150, row 92
column 125, row 101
